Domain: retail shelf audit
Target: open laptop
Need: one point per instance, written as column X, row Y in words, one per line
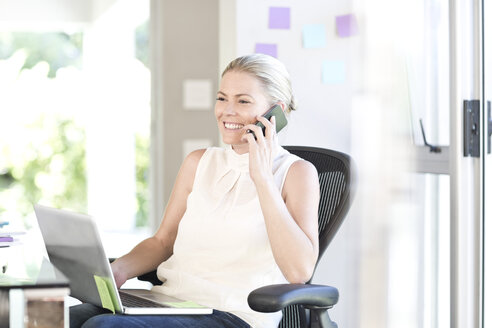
column 74, row 247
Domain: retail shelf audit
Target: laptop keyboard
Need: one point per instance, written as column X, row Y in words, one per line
column 130, row 300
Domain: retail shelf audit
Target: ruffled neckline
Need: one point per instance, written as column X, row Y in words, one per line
column 240, row 162
column 235, row 161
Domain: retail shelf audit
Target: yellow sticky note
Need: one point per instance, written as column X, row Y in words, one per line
column 104, row 293
column 187, row 304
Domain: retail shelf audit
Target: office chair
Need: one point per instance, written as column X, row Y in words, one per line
column 306, row 305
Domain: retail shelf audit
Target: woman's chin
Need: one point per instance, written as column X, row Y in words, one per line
column 235, row 143
column 231, row 140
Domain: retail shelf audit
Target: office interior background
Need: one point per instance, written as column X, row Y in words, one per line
column 101, row 100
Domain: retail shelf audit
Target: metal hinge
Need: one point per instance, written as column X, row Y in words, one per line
column 471, row 128
column 489, row 127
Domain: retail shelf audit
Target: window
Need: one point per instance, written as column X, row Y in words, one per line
column 42, row 140
column 75, row 124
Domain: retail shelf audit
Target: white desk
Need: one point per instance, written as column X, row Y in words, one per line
column 32, row 290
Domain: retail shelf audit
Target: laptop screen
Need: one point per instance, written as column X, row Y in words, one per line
column 74, row 247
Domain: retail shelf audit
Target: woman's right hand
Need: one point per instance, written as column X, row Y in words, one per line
column 119, row 274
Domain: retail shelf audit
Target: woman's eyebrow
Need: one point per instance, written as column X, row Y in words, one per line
column 243, row 94
column 238, row 95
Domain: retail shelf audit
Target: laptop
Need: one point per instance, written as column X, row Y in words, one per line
column 74, row 247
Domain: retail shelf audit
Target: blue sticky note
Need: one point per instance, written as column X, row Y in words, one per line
column 266, row 48
column 333, row 72
column 279, row 18
column 314, row 36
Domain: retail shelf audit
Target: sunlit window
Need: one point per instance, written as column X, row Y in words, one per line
column 75, row 122
column 42, row 136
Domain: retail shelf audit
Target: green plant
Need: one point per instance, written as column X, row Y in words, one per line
column 50, row 167
column 142, row 176
column 58, row 49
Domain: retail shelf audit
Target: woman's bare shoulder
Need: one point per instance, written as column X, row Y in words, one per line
column 193, row 158
column 301, row 169
column 301, row 177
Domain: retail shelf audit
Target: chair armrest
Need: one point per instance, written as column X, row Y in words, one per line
column 150, row 277
column 274, row 298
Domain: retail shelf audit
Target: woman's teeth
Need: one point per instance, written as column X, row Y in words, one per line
column 233, row 126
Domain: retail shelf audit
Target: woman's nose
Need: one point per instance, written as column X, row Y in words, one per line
column 229, row 109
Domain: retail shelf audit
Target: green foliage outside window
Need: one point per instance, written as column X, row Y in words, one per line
column 142, row 43
column 52, row 165
column 57, row 49
column 142, row 144
column 50, row 168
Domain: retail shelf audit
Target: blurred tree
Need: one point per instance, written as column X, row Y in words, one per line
column 142, row 43
column 142, row 144
column 58, row 49
column 52, row 167
column 142, row 141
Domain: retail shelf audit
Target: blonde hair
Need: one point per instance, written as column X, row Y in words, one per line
column 270, row 72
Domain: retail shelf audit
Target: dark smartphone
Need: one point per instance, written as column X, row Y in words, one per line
column 280, row 119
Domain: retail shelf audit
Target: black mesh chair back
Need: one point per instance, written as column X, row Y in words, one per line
column 335, row 183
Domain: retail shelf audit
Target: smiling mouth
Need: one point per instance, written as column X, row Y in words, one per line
column 233, row 126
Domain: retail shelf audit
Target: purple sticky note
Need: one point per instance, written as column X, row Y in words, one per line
column 279, row 18
column 266, row 48
column 346, row 25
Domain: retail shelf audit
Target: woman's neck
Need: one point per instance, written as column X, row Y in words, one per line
column 241, row 149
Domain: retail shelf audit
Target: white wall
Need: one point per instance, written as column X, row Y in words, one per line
column 48, row 14
column 323, row 118
column 30, row 12
column 117, row 98
column 51, row 13
column 324, row 113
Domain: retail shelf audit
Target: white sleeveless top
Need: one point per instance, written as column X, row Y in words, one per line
column 222, row 251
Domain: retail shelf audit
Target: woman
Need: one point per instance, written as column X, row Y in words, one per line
column 238, row 218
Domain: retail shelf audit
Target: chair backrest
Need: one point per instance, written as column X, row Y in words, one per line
column 335, row 180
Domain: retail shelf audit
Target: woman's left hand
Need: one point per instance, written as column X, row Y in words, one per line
column 261, row 150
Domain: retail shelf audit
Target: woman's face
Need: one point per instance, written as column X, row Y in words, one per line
column 240, row 100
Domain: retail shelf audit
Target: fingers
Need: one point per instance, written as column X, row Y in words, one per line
column 270, row 130
column 261, row 148
column 256, row 132
column 250, row 136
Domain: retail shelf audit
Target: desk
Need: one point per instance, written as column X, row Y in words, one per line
column 32, row 290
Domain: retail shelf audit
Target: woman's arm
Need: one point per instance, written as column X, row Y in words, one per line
column 151, row 252
column 291, row 216
column 291, row 220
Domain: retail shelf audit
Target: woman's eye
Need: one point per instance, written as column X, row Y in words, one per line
column 220, row 99
column 242, row 101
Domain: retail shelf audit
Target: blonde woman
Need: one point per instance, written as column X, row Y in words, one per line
column 238, row 218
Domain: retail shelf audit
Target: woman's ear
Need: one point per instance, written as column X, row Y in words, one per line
column 282, row 105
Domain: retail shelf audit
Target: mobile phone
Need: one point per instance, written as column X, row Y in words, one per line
column 280, row 119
